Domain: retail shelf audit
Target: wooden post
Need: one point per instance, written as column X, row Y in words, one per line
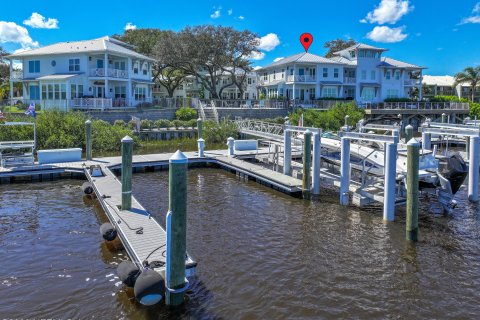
column 413, row 158
column 408, row 133
column 307, row 163
column 177, row 233
column 200, row 128
column 127, row 148
column 88, row 140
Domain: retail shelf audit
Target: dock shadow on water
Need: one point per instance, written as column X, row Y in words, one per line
column 261, row 255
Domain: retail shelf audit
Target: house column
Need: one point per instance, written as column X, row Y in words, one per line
column 105, row 65
column 129, row 83
column 69, row 95
column 11, row 81
column 294, row 72
column 421, row 86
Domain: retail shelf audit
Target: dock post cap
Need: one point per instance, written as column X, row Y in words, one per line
column 413, row 142
column 88, row 121
column 127, row 139
column 201, row 140
column 409, row 126
column 230, row 139
column 178, row 157
column 308, row 131
column 199, row 119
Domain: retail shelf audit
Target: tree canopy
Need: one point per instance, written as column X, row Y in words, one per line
column 470, row 75
column 337, row 45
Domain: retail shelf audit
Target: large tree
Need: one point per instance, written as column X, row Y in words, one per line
column 208, row 53
column 146, row 41
column 337, row 45
column 470, row 75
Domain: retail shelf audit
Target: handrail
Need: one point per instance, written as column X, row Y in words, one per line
column 215, row 113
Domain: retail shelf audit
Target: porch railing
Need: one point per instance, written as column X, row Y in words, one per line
column 113, row 73
column 349, row 80
column 301, row 78
column 411, row 82
column 92, row 103
column 418, row 106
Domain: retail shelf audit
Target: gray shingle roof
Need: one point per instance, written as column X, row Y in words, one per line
column 301, row 58
column 389, row 63
column 104, row 45
column 361, row 46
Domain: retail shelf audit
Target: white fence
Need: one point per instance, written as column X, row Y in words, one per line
column 417, row 106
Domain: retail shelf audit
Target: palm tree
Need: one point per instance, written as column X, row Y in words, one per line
column 470, row 75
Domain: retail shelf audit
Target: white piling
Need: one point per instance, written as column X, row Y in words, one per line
column 473, row 169
column 426, row 141
column 390, row 183
column 287, row 152
column 345, row 172
column 230, row 144
column 201, row 147
column 316, row 164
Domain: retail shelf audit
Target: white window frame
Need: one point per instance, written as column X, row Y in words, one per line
column 74, row 64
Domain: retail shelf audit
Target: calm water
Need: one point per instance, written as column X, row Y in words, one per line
column 261, row 255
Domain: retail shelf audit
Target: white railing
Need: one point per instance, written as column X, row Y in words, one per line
column 349, row 80
column 301, row 78
column 17, row 75
column 215, row 112
column 411, row 82
column 91, row 103
column 244, row 103
column 418, row 106
column 113, row 73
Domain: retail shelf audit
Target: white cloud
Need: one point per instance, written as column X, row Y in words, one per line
column 278, row 59
column 388, row 11
column 38, row 21
column 257, row 56
column 257, row 67
column 11, row 32
column 241, row 17
column 217, row 13
column 386, row 34
column 130, row 26
column 230, row 11
column 268, row 42
column 475, row 17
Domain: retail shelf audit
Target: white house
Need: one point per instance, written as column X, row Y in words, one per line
column 445, row 86
column 359, row 73
column 99, row 73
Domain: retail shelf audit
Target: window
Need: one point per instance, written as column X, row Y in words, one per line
column 329, row 92
column 80, row 90
column 388, row 74
column 265, row 76
column 352, row 53
column 73, row 65
column 368, row 93
column 392, row 93
column 140, row 93
column 120, row 92
column 373, row 74
column 50, row 91
column 283, row 71
column 73, row 91
column 397, row 74
column 44, row 91
column 325, row 72
column 34, row 92
column 120, row 65
column 54, row 91
column 335, row 72
column 63, row 91
column 135, row 67
column 145, row 69
column 312, row 93
column 364, row 75
column 34, row 66
column 249, row 80
column 368, row 53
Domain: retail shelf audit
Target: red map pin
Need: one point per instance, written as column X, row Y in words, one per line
column 306, row 40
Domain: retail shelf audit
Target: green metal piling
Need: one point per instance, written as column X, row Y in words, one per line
column 307, row 163
column 200, row 128
column 177, row 199
column 413, row 158
column 444, row 118
column 127, row 148
column 88, row 140
column 408, row 133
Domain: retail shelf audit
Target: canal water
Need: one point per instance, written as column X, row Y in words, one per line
column 261, row 255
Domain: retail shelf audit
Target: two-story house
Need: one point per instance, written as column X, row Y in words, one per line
column 103, row 73
column 358, row 72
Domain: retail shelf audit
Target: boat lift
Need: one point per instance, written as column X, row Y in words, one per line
column 10, row 154
column 473, row 136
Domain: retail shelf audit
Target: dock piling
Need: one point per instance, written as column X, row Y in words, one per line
column 444, row 118
column 201, row 147
column 316, row 164
column 345, row 171
column 231, row 144
column 287, row 152
column 88, row 140
column 408, row 133
column 413, row 158
column 473, row 169
column 390, row 183
column 127, row 148
column 176, row 248
column 200, row 128
column 307, row 164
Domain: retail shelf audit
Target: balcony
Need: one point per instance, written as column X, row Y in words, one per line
column 301, row 78
column 349, row 80
column 111, row 73
column 412, row 82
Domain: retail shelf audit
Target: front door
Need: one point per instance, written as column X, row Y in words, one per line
column 99, row 91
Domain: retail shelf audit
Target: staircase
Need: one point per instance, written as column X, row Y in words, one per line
column 209, row 114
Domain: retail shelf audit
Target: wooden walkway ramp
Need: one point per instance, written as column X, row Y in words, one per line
column 142, row 236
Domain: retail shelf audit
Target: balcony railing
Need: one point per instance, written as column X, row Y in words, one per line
column 418, row 106
column 412, row 82
column 112, row 73
column 349, row 80
column 17, row 75
column 301, row 78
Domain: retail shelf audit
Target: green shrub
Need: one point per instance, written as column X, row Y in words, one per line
column 107, row 137
column 448, row 99
column 162, row 123
column 119, row 123
column 186, row 114
column 177, row 123
column 218, row 133
column 146, row 124
column 192, row 123
column 474, row 110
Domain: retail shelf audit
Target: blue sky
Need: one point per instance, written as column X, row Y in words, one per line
column 441, row 35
